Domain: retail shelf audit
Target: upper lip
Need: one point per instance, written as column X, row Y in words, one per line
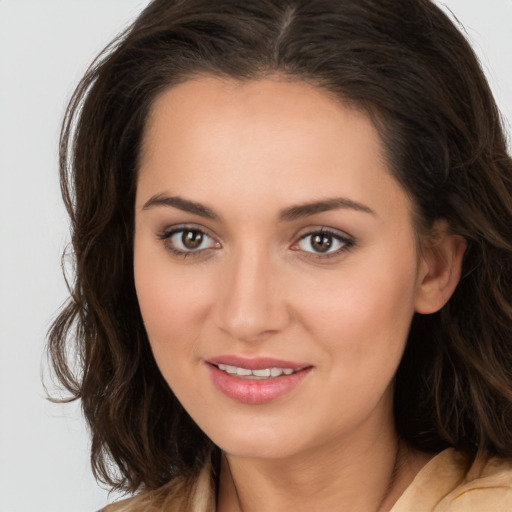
column 256, row 363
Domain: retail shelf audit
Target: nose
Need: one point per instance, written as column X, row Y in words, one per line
column 252, row 304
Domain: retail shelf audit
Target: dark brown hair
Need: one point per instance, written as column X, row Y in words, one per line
column 402, row 62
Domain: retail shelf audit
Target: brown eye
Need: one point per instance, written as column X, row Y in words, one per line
column 324, row 243
column 185, row 241
column 321, row 242
column 192, row 239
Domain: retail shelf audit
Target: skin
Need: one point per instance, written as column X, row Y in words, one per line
column 257, row 287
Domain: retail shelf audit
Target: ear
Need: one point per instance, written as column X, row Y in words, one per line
column 439, row 269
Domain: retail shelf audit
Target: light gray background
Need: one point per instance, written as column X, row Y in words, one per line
column 45, row 47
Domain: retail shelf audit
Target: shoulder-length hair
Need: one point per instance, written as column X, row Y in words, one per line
column 407, row 66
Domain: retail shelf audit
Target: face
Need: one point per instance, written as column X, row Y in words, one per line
column 276, row 264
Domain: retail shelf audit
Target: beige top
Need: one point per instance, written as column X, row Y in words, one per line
column 448, row 483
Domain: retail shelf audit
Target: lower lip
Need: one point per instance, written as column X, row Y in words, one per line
column 255, row 392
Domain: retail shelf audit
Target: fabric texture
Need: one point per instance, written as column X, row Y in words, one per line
column 451, row 483
column 448, row 483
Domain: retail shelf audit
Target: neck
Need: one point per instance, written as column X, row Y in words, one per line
column 349, row 476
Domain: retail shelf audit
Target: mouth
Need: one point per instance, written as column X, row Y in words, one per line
column 256, row 381
column 261, row 374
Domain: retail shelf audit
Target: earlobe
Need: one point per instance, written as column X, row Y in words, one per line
column 439, row 270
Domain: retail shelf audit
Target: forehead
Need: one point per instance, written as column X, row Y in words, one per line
column 209, row 137
column 210, row 109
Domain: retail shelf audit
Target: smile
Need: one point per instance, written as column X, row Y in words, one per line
column 263, row 373
column 256, row 381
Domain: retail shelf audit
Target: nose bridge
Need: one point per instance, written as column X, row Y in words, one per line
column 251, row 304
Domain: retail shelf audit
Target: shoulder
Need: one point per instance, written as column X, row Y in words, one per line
column 487, row 485
column 179, row 495
column 451, row 482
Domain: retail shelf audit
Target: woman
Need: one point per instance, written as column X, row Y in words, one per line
column 292, row 225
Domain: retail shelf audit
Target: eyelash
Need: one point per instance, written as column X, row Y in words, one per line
column 346, row 242
column 166, row 237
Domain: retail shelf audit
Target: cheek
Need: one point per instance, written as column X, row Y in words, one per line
column 168, row 302
column 168, row 317
column 174, row 305
column 363, row 316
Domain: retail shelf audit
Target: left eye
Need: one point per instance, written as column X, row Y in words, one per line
column 322, row 242
column 189, row 240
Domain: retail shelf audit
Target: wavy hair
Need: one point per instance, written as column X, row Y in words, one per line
column 406, row 65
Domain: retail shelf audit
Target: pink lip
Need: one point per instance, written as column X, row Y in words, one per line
column 255, row 392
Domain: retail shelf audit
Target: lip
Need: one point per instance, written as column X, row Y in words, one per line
column 255, row 392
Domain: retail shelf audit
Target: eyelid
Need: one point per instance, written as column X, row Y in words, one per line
column 166, row 236
column 348, row 241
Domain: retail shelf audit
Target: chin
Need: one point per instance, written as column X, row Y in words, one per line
column 258, row 443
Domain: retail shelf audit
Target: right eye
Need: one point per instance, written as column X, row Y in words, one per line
column 184, row 241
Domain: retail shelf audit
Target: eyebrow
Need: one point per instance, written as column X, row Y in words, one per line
column 305, row 210
column 288, row 214
column 181, row 204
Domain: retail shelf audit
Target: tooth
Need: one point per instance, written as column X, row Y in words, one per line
column 266, row 372
column 261, row 373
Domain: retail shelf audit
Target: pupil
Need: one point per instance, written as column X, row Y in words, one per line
column 321, row 243
column 192, row 239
